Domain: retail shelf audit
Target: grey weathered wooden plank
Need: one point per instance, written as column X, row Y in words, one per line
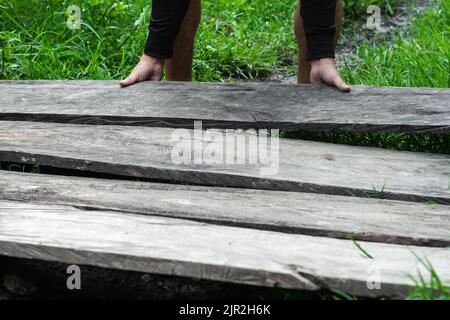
column 246, row 105
column 304, row 213
column 303, row 165
column 187, row 248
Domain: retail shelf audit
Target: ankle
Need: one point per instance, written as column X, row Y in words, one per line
column 321, row 62
column 149, row 59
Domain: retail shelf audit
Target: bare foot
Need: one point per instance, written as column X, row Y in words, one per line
column 324, row 71
column 148, row 69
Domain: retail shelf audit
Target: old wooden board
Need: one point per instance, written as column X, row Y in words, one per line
column 292, row 165
column 305, row 213
column 246, row 105
column 192, row 249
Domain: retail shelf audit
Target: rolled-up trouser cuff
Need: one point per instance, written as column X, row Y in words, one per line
column 320, row 46
column 159, row 46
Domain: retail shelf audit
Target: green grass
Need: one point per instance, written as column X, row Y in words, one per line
column 240, row 38
column 245, row 39
column 428, row 142
column 360, row 248
column 355, row 9
column 237, row 39
column 19, row 167
column 421, row 58
column 430, row 288
column 38, row 45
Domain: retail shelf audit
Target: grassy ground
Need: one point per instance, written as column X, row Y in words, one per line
column 240, row 38
column 419, row 58
column 237, row 39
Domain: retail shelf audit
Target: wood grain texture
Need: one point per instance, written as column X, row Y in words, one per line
column 302, row 213
column 303, row 165
column 192, row 249
column 246, row 105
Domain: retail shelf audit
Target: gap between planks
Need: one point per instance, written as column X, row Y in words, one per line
column 299, row 213
column 304, row 166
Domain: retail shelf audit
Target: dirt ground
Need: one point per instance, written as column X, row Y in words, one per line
column 22, row 279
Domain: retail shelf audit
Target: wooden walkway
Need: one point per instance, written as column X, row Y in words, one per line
column 294, row 227
column 249, row 105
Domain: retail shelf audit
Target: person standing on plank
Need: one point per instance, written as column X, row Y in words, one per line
column 170, row 43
